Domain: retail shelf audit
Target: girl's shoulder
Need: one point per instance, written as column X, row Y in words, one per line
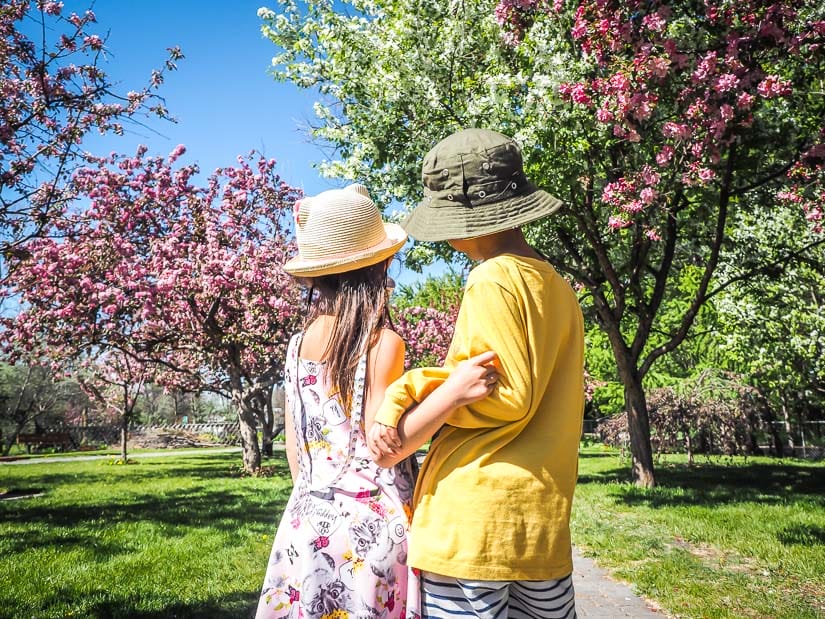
column 389, row 337
column 388, row 346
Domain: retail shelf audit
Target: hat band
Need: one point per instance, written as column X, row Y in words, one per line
column 479, row 193
column 319, row 254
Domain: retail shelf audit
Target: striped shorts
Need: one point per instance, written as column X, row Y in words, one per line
column 444, row 597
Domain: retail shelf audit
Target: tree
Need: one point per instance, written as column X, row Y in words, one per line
column 115, row 380
column 54, row 94
column 655, row 123
column 184, row 281
column 424, row 315
column 29, row 394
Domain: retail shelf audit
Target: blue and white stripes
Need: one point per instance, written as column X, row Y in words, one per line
column 444, row 597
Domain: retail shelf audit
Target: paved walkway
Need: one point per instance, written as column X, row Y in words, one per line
column 140, row 454
column 600, row 597
column 597, row 595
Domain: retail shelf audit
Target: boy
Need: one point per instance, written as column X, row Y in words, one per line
column 492, row 504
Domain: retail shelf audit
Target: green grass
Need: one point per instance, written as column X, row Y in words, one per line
column 188, row 536
column 168, row 537
column 729, row 538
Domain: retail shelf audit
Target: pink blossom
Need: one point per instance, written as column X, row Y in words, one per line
column 650, row 176
column 665, row 155
column 654, row 22
column 706, row 174
column 726, row 82
column 772, row 86
column 648, row 195
column 677, row 130
column 604, row 115
column 616, row 222
column 579, row 95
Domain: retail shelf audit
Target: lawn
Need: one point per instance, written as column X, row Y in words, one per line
column 189, row 536
column 730, row 537
column 167, row 537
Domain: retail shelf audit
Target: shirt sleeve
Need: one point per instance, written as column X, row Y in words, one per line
column 489, row 319
column 406, row 391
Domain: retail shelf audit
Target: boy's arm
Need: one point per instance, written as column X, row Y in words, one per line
column 489, row 319
column 468, row 382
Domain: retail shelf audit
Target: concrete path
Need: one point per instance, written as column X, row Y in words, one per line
column 141, row 454
column 600, row 597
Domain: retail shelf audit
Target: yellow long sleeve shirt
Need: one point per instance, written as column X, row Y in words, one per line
column 494, row 494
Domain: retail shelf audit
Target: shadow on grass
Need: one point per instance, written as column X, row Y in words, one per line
column 219, row 509
column 802, row 535
column 205, row 503
column 713, row 484
column 235, row 605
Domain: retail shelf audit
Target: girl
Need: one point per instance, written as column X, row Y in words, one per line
column 341, row 547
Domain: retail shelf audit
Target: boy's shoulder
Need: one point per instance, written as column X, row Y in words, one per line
column 507, row 269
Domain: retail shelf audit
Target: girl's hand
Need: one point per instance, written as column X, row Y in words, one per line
column 473, row 379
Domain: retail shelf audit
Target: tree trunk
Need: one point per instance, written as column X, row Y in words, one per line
column 267, row 426
column 638, row 426
column 124, row 435
column 249, row 437
column 788, row 428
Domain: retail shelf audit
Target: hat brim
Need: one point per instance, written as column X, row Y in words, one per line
column 396, row 237
column 448, row 221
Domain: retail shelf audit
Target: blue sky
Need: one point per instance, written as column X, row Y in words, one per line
column 223, row 94
column 225, row 100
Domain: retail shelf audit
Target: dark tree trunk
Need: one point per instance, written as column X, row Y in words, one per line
column 267, row 428
column 638, row 423
column 638, row 426
column 124, row 436
column 249, row 437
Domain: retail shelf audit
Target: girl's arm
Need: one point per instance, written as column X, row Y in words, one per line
column 290, row 441
column 471, row 380
column 385, row 363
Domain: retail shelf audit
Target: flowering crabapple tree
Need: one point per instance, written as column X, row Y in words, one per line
column 115, row 381
column 424, row 315
column 54, row 94
column 657, row 124
column 182, row 278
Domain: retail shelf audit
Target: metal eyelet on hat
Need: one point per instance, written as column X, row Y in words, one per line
column 481, row 194
column 449, row 196
column 445, row 172
column 514, row 185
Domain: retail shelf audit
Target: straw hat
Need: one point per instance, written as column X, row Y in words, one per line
column 474, row 184
column 341, row 230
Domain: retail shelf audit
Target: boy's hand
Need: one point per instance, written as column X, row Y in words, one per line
column 383, row 440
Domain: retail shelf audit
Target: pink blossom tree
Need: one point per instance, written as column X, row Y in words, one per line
column 54, row 93
column 183, row 279
column 661, row 126
column 114, row 380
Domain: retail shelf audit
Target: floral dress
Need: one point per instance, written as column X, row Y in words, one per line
column 341, row 547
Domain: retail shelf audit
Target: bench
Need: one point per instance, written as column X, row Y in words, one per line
column 60, row 440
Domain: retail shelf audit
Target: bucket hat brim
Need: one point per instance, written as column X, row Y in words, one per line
column 435, row 220
column 330, row 265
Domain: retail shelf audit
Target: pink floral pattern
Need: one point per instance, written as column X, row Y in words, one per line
column 341, row 548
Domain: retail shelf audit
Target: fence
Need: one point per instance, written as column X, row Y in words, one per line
column 218, row 433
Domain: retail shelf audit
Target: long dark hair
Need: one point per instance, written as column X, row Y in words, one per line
column 357, row 302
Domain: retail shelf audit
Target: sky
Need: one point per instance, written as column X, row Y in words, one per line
column 223, row 94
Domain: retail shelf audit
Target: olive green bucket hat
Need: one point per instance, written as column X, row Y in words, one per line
column 474, row 185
